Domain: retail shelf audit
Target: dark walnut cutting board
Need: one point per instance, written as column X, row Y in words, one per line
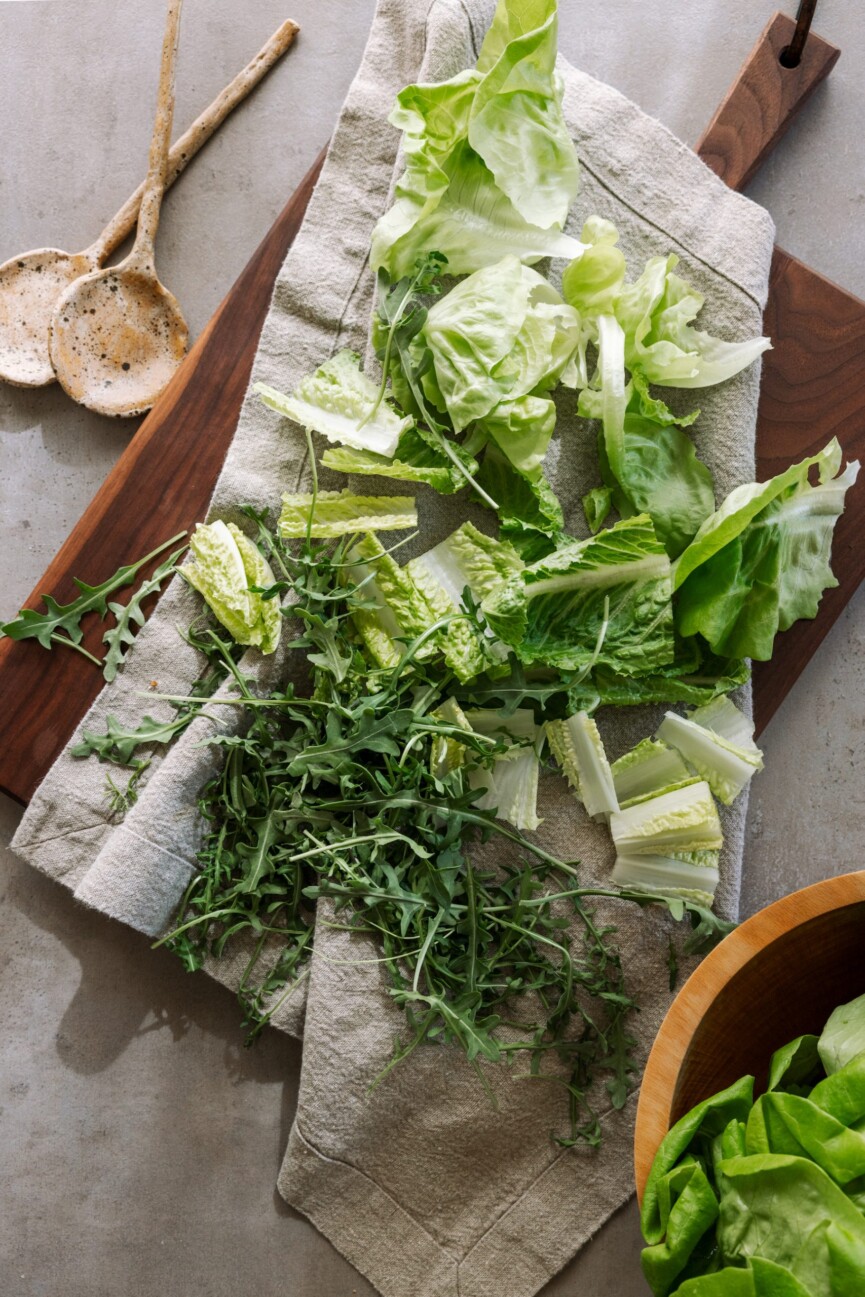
column 163, row 481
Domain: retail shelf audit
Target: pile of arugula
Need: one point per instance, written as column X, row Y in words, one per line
column 434, row 685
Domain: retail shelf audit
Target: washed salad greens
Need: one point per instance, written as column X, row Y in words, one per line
column 436, row 686
column 765, row 1198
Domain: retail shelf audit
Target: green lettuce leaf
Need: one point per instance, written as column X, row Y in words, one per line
column 605, row 600
column 691, row 874
column 224, row 565
column 656, row 314
column 415, row 459
column 761, row 561
column 683, row 820
column 593, row 281
column 510, row 785
column 694, row 677
column 338, row 402
column 466, row 559
column 341, row 513
column 688, row 1209
column 795, row 1066
column 843, row 1037
column 761, row 1279
column 596, row 505
column 490, row 167
column 528, row 507
column 394, row 611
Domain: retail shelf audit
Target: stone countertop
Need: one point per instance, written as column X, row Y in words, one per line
column 140, row 1141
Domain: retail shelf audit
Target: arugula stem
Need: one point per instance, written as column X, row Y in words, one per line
column 57, row 638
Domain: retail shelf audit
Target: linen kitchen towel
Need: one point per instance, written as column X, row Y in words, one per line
column 432, row 1184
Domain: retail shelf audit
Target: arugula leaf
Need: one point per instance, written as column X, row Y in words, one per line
column 62, row 622
column 131, row 614
column 119, row 741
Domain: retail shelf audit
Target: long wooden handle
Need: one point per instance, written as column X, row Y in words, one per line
column 197, row 135
column 154, row 185
column 763, row 100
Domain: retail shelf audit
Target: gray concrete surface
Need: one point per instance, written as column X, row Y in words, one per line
column 139, row 1141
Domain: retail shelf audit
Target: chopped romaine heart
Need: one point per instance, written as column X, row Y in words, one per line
column 341, row 513
column 576, row 745
column 726, row 767
column 649, row 768
column 682, row 820
column 225, row 563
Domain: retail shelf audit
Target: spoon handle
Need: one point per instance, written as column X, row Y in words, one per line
column 154, row 184
column 197, row 135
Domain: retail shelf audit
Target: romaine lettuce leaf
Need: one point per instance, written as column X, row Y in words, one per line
column 490, row 167
column 596, row 505
column 577, row 746
column 415, row 460
column 225, row 563
column 394, row 610
column 726, row 767
column 693, row 875
column 337, row 401
column 682, row 820
column 446, row 752
column 761, row 561
column 605, row 600
column 510, row 784
column 467, row 558
column 528, row 507
column 649, row 768
column 340, row 513
column 694, row 678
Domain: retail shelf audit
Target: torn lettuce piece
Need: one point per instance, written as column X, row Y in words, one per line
column 529, row 511
column 593, row 281
column 693, row 678
column 724, row 718
column 682, row 820
column 727, row 768
column 490, row 165
column 761, row 561
column 446, row 752
column 596, row 505
column 340, row 513
column 576, row 744
column 649, row 768
column 511, row 782
column 693, row 875
column 843, row 1037
column 225, row 563
column 605, row 600
column 499, row 340
column 416, row 459
column 338, row 401
column 656, row 313
column 394, row 612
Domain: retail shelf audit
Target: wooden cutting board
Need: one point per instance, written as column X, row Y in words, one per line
column 813, row 388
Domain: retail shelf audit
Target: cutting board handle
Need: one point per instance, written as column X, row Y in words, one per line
column 764, row 99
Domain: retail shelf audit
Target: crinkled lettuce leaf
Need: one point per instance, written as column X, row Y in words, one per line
column 727, row 767
column 416, row 459
column 605, row 600
column 338, row 401
column 225, row 563
column 685, row 819
column 761, row 561
column 340, row 513
column 490, row 166
column 649, row 768
column 694, row 677
column 577, row 746
column 528, row 509
column 391, row 611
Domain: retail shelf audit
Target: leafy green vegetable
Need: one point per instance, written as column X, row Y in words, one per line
column 761, row 561
column 682, row 820
column 649, row 768
column 131, row 614
column 490, row 166
column 689, row 873
column 391, row 610
column 605, row 600
column 694, row 677
column 726, row 767
column 576, row 744
column 593, row 281
column 843, row 1037
column 596, row 505
column 529, row 511
column 508, row 787
column 225, row 566
column 499, row 340
column 342, row 513
column 417, row 459
column 343, row 405
column 61, row 624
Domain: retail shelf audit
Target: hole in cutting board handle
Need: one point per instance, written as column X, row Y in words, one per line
column 788, row 58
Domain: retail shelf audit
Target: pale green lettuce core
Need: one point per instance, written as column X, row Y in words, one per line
column 341, row 513
column 605, row 600
column 225, row 564
column 761, row 561
column 465, row 559
column 446, row 752
column 511, row 784
column 683, row 820
column 490, row 165
column 649, row 768
column 689, row 874
column 576, row 744
column 727, row 767
column 338, row 401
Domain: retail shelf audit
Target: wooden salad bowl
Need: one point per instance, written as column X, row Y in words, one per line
column 777, row 976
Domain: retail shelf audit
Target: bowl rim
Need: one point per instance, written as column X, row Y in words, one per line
column 710, row 976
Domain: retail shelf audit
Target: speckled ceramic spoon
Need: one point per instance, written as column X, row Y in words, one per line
column 32, row 283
